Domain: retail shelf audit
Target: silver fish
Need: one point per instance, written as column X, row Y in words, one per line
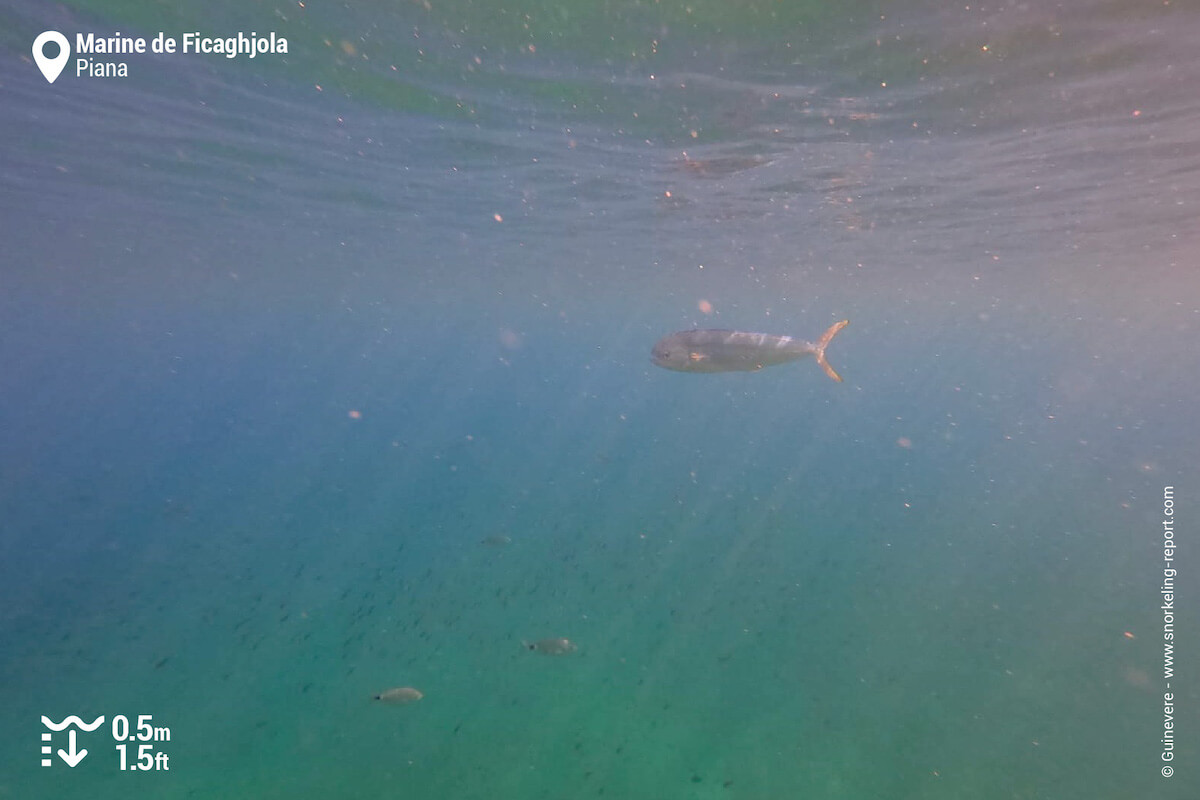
column 729, row 351
column 551, row 647
column 401, row 695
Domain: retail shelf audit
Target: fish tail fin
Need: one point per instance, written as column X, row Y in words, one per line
column 822, row 343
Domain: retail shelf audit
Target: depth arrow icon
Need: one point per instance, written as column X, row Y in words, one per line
column 70, row 755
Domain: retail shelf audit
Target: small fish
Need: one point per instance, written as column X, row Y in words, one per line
column 551, row 647
column 496, row 540
column 729, row 351
column 399, row 696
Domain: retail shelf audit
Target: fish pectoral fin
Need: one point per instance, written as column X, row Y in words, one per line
column 696, row 356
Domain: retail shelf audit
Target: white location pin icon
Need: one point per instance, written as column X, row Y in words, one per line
column 51, row 67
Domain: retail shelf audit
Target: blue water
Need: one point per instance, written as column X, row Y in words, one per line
column 329, row 373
